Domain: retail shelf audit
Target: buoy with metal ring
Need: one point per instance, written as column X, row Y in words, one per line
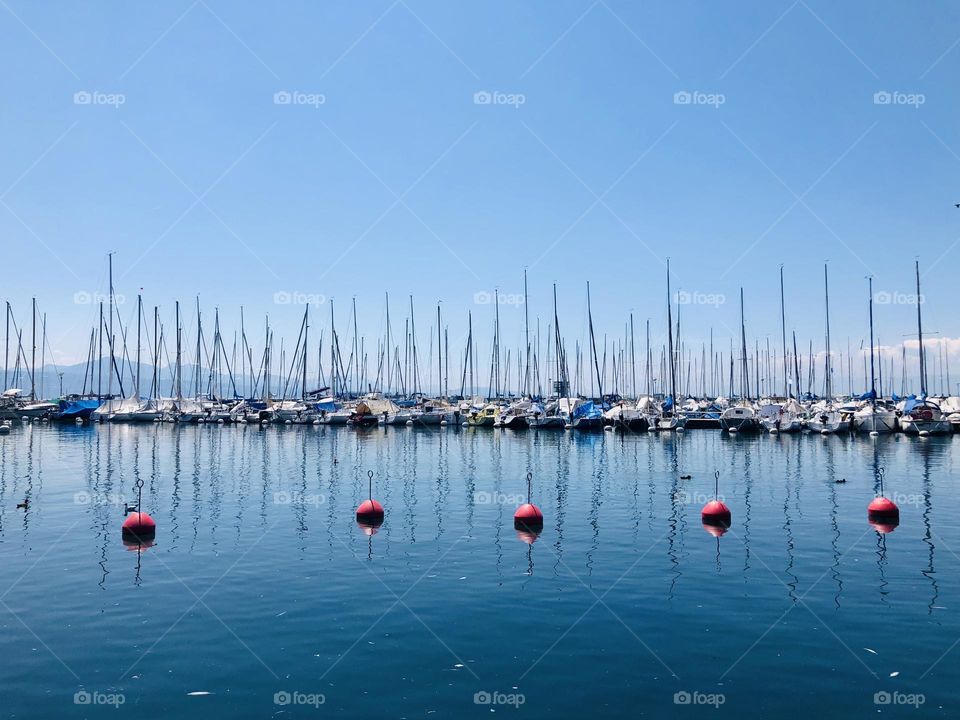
column 882, row 511
column 528, row 516
column 715, row 512
column 370, row 511
column 139, row 526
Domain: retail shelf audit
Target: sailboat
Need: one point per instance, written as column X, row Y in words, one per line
column 669, row 418
column 741, row 417
column 874, row 418
column 824, row 417
column 922, row 416
column 786, row 416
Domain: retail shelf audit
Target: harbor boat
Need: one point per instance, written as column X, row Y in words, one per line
column 923, row 417
column 580, row 414
column 740, row 418
column 484, row 417
column 546, row 417
column 668, row 418
column 370, row 411
column 826, row 420
column 39, row 410
column 625, row 416
column 784, row 417
column 950, row 406
column 514, row 416
column 73, row 408
column 702, row 415
column 873, row 417
column 432, row 413
column 147, row 411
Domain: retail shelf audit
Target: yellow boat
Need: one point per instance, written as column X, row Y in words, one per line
column 483, row 418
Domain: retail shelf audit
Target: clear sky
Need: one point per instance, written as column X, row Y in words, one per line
column 336, row 149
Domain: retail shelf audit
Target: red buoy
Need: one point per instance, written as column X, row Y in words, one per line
column 715, row 512
column 882, row 507
column 139, row 526
column 528, row 515
column 882, row 511
column 370, row 511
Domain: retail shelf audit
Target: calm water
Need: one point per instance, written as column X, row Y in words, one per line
column 260, row 581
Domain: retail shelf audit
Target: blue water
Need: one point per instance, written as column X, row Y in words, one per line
column 260, row 582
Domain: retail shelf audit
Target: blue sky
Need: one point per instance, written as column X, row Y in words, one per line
column 384, row 173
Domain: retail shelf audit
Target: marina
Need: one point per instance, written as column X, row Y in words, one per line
column 425, row 360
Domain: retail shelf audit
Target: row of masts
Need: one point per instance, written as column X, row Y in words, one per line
column 394, row 368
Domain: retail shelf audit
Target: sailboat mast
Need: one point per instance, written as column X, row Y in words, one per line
column 673, row 379
column 828, row 365
column 873, row 387
column 526, row 337
column 593, row 344
column 139, row 310
column 306, row 330
column 783, row 335
column 33, row 355
column 923, row 359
